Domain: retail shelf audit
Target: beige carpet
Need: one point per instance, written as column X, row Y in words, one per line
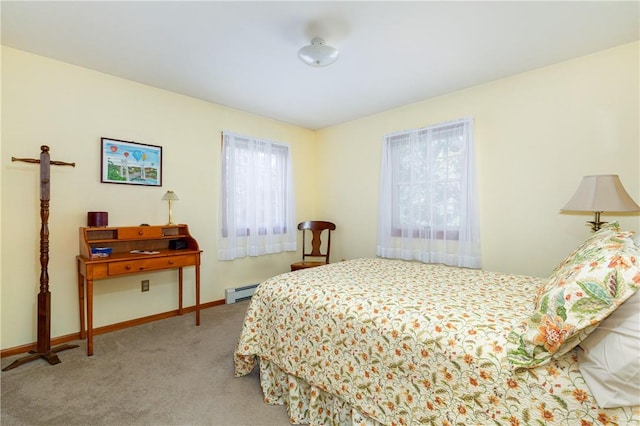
column 168, row 372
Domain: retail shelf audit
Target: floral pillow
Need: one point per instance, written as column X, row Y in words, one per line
column 584, row 289
column 607, row 230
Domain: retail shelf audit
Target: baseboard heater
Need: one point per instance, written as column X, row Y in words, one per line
column 233, row 295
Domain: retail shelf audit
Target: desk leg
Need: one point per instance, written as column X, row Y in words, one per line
column 83, row 334
column 179, row 291
column 198, row 294
column 89, row 317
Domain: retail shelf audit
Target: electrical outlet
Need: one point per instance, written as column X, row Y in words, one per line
column 144, row 285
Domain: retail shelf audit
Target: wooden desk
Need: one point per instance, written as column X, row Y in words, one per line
column 121, row 262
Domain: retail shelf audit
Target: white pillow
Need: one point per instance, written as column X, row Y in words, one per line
column 610, row 357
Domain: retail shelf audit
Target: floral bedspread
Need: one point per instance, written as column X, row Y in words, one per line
column 378, row 341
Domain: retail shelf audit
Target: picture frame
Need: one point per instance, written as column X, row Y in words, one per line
column 131, row 163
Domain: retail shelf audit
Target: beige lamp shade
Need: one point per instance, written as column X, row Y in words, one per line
column 601, row 193
column 170, row 196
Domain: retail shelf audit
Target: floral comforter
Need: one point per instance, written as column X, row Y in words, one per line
column 377, row 341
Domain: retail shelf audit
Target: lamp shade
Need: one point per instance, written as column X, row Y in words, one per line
column 318, row 54
column 170, row 195
column 601, row 193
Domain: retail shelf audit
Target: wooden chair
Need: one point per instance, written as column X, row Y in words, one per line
column 316, row 227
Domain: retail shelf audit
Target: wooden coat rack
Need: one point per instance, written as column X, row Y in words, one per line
column 43, row 347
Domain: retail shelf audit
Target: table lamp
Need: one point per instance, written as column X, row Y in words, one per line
column 601, row 193
column 170, row 196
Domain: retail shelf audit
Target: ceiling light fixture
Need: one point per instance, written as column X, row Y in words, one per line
column 318, row 54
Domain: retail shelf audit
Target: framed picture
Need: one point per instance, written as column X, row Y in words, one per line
column 130, row 163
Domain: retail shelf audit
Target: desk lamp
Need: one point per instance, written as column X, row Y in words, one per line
column 170, row 196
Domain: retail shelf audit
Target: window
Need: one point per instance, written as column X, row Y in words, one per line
column 428, row 196
column 256, row 198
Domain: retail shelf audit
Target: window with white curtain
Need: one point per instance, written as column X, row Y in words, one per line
column 428, row 196
column 256, row 198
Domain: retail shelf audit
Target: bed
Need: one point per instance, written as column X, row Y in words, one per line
column 378, row 341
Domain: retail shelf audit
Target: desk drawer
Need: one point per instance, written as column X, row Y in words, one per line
column 141, row 265
column 139, row 232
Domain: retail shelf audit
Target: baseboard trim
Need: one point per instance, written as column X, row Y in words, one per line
column 55, row 341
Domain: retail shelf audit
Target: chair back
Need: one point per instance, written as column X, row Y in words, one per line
column 316, row 228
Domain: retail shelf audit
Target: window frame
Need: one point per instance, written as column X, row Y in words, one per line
column 428, row 230
column 256, row 198
column 245, row 232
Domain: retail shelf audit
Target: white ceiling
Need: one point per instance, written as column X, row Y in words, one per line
column 244, row 54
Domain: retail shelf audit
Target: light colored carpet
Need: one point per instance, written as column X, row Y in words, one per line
column 167, row 372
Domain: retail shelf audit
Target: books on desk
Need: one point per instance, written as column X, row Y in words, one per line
column 101, row 251
column 143, row 252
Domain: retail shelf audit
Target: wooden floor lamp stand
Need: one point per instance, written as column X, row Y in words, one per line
column 43, row 346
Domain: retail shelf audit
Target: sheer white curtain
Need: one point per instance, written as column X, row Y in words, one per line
column 428, row 207
column 256, row 198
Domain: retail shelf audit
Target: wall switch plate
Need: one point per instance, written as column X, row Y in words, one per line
column 144, row 285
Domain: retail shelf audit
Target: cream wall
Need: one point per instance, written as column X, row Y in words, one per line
column 46, row 102
column 536, row 135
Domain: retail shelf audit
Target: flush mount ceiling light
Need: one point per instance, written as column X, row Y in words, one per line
column 318, row 54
